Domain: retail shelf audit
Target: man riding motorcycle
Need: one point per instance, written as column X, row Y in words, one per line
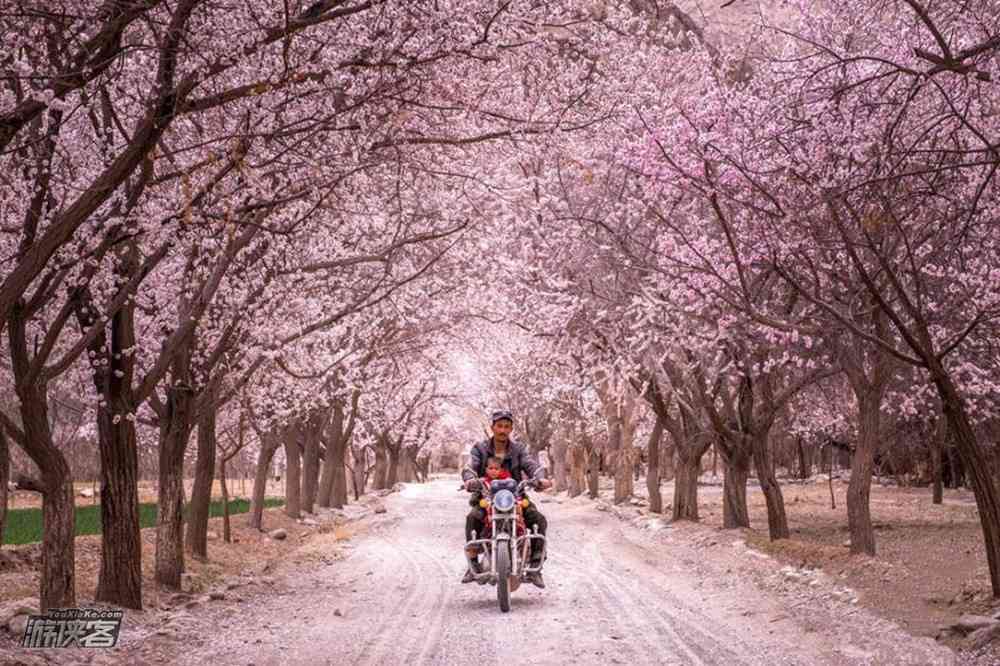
column 516, row 460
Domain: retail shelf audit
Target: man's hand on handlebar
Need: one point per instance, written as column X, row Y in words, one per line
column 472, row 485
column 543, row 484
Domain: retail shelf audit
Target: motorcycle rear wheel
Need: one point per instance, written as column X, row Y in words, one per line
column 503, row 578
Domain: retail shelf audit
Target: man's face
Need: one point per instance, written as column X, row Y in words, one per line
column 501, row 430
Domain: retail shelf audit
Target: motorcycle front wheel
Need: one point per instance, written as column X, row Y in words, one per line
column 503, row 577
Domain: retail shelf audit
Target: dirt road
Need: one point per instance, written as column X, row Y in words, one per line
column 616, row 594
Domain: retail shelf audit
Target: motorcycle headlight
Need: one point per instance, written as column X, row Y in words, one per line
column 503, row 501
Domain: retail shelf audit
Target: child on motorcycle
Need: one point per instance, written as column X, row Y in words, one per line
column 494, row 471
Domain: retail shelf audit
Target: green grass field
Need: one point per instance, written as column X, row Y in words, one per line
column 25, row 525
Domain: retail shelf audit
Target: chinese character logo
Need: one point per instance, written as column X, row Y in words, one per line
column 73, row 627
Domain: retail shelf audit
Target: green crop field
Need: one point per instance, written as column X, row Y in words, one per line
column 25, row 525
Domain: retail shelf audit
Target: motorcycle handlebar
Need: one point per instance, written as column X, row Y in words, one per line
column 532, row 483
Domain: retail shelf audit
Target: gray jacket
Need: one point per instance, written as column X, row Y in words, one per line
column 518, row 460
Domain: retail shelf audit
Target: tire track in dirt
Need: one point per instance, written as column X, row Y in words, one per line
column 698, row 646
column 602, row 601
column 431, row 586
column 663, row 642
column 694, row 651
column 692, row 639
column 645, row 624
column 387, row 630
column 677, row 652
column 444, row 604
column 634, row 635
column 690, row 630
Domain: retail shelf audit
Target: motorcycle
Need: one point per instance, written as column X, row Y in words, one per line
column 505, row 545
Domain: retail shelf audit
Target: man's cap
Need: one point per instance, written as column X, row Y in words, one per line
column 501, row 414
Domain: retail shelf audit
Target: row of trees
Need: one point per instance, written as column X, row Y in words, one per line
column 308, row 225
column 793, row 239
column 219, row 213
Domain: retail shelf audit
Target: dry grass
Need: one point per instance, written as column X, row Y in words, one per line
column 929, row 568
column 804, row 554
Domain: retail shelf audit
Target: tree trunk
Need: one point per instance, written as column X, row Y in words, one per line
column 618, row 402
column 332, row 440
column 938, row 438
column 594, row 474
column 404, row 470
column 204, row 475
column 829, row 479
column 311, row 432
column 58, row 579
column 859, row 518
column 381, row 473
column 394, row 451
column 577, row 470
column 226, row 531
column 560, row 464
column 736, row 470
column 4, row 480
column 359, row 475
column 956, row 471
column 333, row 485
column 686, row 485
column 777, row 521
column 424, row 468
column 268, row 447
column 805, row 465
column 624, row 484
column 667, row 455
column 653, row 470
column 340, row 472
column 392, row 475
column 324, row 493
column 979, row 468
column 618, row 450
column 175, row 430
column 408, row 465
column 58, row 575
column 58, row 541
column 120, row 579
column 293, row 474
